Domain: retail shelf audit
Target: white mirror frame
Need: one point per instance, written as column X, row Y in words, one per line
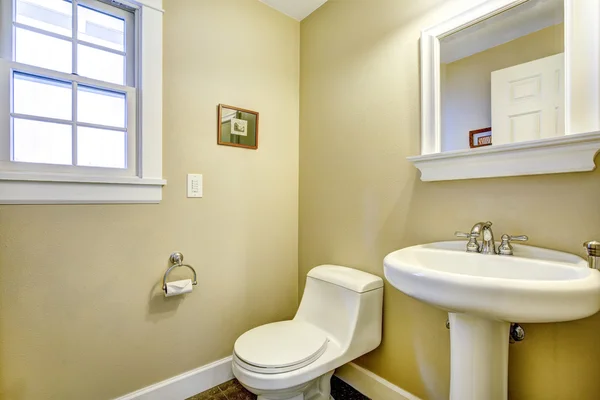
column 573, row 152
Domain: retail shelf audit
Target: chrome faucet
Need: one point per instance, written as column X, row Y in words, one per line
column 488, row 245
column 485, row 228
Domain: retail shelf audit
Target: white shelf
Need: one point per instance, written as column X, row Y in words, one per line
column 571, row 153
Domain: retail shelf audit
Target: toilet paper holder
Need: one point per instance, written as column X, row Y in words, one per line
column 177, row 260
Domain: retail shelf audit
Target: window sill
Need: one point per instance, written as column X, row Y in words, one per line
column 28, row 188
column 571, row 153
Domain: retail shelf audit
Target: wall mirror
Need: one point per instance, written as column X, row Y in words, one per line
column 511, row 88
column 504, row 73
column 237, row 127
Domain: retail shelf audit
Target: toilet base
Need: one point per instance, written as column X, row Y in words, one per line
column 317, row 389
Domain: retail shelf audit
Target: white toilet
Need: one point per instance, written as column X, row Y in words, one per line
column 339, row 319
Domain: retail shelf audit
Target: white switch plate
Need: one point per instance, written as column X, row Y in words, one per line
column 194, row 185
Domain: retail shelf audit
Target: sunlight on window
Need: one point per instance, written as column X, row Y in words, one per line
column 43, row 51
column 100, row 107
column 101, row 65
column 41, row 142
column 41, row 97
column 49, row 15
column 101, row 148
column 101, row 29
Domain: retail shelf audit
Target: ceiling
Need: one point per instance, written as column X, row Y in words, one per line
column 297, row 9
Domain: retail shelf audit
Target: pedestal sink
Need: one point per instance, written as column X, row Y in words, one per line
column 483, row 294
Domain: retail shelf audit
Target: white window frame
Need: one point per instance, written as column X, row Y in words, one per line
column 141, row 181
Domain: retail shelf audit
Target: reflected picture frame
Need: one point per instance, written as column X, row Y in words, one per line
column 237, row 127
column 480, row 138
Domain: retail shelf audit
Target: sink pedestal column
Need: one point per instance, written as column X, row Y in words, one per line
column 479, row 358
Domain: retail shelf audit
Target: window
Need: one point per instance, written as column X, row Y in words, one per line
column 71, row 105
column 79, row 119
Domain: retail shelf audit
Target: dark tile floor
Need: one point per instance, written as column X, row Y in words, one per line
column 340, row 390
column 232, row 390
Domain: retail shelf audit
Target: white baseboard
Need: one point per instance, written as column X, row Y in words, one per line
column 371, row 385
column 198, row 380
column 189, row 383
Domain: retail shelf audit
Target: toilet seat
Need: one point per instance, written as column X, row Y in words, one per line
column 280, row 347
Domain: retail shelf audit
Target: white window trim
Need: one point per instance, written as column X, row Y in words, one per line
column 35, row 187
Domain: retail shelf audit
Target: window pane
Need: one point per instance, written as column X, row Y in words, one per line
column 99, row 28
column 41, row 142
column 43, row 51
column 99, row 64
column 42, row 97
column 101, row 147
column 103, row 107
column 50, row 15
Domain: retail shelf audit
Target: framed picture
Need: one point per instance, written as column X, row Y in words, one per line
column 237, row 127
column 480, row 137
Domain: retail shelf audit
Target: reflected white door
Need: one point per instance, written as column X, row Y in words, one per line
column 528, row 101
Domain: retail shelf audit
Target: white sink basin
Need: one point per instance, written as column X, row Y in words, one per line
column 533, row 285
column 483, row 294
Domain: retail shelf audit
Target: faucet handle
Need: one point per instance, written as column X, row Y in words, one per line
column 462, row 235
column 472, row 245
column 505, row 248
column 520, row 238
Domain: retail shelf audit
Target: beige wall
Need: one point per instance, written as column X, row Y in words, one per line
column 467, row 83
column 360, row 198
column 82, row 315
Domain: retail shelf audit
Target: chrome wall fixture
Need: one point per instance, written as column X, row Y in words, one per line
column 177, row 260
column 593, row 250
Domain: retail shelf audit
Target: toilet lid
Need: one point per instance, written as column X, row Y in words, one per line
column 281, row 345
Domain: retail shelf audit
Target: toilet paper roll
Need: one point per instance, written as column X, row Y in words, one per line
column 176, row 288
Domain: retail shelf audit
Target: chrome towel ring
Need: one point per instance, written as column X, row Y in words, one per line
column 177, row 260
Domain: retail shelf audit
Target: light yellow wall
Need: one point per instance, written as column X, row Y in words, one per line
column 82, row 315
column 466, row 94
column 360, row 198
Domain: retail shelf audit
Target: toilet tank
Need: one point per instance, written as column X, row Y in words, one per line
column 347, row 304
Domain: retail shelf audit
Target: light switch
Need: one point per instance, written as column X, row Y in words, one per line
column 194, row 185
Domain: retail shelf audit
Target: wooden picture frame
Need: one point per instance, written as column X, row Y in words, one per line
column 480, row 138
column 237, row 127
